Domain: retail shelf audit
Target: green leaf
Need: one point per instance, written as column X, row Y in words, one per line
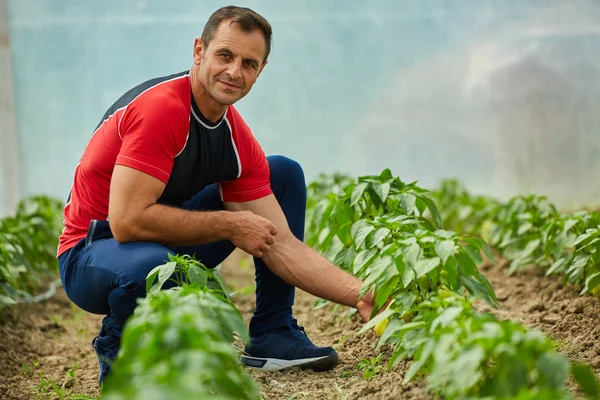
column 479, row 243
column 445, row 318
column 466, row 262
column 411, row 253
column 579, row 262
column 151, row 277
column 420, row 359
column 555, row 368
column 357, row 193
column 444, row 249
column 437, row 218
column 407, row 202
column 586, row 380
column 5, row 300
column 377, row 319
column 197, row 275
column 164, row 273
column 476, row 288
column 474, row 254
column 359, row 232
column 468, row 363
column 383, row 291
column 408, row 276
column 364, row 259
column 581, row 238
column 382, row 190
column 591, row 282
column 557, row 266
column 389, row 331
column 524, row 228
column 423, row 266
column 569, row 224
column 530, row 248
column 379, row 235
column 345, row 258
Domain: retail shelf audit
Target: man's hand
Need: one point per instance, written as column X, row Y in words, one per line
column 253, row 233
column 365, row 309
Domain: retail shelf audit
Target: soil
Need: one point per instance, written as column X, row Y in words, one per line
column 50, row 339
column 543, row 302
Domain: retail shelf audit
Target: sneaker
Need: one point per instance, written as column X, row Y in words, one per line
column 288, row 347
column 106, row 348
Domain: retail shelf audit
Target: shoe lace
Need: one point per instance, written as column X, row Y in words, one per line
column 298, row 327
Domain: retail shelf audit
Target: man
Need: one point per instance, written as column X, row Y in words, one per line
column 175, row 169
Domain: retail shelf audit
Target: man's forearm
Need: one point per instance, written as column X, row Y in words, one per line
column 301, row 266
column 174, row 226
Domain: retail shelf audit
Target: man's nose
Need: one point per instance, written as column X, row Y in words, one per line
column 234, row 70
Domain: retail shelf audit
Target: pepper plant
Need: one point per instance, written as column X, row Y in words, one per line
column 28, row 242
column 178, row 341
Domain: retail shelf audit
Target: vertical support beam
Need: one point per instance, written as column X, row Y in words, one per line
column 9, row 141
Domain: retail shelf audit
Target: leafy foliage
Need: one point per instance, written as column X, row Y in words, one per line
column 28, row 242
column 390, row 234
column 528, row 230
column 178, row 342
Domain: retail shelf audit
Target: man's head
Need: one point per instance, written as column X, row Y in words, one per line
column 231, row 53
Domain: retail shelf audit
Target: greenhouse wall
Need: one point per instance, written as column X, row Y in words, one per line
column 502, row 94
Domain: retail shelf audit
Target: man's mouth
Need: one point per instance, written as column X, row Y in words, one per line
column 229, row 84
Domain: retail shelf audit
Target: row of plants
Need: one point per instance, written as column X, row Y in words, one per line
column 28, row 242
column 529, row 230
column 178, row 343
column 389, row 234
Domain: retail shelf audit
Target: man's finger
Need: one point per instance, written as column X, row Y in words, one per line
column 273, row 230
column 270, row 240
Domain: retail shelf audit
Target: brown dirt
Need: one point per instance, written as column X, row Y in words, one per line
column 545, row 303
column 325, row 329
column 56, row 335
column 44, row 343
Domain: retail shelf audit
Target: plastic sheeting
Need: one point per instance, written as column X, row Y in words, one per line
column 504, row 95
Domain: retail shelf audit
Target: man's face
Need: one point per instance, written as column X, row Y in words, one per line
column 231, row 63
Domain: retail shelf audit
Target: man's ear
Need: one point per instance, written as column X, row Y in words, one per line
column 198, row 50
column 261, row 68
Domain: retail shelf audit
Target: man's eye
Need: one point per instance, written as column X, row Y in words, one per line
column 225, row 56
column 249, row 64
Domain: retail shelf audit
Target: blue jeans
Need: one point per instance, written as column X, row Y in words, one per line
column 103, row 276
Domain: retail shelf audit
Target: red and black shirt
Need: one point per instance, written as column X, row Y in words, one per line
column 157, row 128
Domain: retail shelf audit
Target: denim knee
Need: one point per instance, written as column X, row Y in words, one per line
column 285, row 172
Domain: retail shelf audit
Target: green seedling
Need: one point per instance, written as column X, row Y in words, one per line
column 370, row 368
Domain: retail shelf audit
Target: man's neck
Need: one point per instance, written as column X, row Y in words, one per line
column 210, row 109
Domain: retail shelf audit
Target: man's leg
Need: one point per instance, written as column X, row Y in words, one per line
column 106, row 277
column 276, row 340
column 274, row 297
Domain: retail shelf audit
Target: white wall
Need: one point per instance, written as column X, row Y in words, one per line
column 502, row 94
column 9, row 154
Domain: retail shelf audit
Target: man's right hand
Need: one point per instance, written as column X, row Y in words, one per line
column 252, row 233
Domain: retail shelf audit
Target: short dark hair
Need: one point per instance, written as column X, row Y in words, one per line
column 245, row 18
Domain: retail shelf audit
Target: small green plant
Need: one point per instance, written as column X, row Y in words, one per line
column 28, row 243
column 370, row 368
column 178, row 342
column 390, row 235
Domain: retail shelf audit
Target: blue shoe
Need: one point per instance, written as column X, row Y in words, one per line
column 106, row 348
column 288, row 347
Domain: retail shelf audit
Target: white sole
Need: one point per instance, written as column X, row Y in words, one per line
column 275, row 364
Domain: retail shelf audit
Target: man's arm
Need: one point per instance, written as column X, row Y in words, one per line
column 301, row 266
column 135, row 216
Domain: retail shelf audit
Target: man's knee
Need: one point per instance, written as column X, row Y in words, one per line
column 286, row 172
column 144, row 260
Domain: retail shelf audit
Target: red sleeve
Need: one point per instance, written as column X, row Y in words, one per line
column 254, row 181
column 153, row 130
